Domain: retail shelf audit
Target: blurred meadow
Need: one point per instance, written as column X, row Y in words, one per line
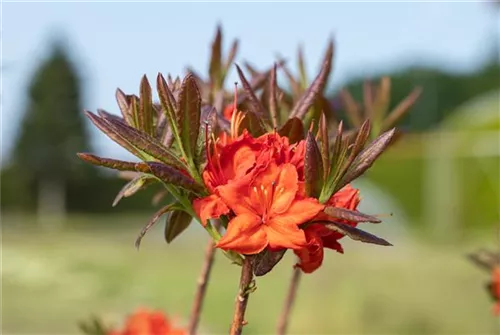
column 68, row 254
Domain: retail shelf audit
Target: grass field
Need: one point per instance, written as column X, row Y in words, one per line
column 51, row 280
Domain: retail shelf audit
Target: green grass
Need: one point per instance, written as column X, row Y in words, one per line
column 51, row 280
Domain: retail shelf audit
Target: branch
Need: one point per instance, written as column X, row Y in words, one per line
column 246, row 287
column 290, row 299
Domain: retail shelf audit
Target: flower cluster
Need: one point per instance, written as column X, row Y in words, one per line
column 148, row 322
column 259, row 184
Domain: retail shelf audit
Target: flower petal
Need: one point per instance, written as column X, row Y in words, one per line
column 300, row 211
column 285, row 189
column 311, row 257
column 283, row 235
column 244, row 234
column 235, row 195
column 209, row 207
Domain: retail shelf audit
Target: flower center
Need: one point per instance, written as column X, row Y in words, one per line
column 265, row 198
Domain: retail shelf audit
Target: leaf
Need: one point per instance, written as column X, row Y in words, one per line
column 255, row 105
column 109, row 131
column 132, row 187
column 134, row 111
column 293, row 129
column 350, row 215
column 216, row 59
column 168, row 104
column 107, row 162
column 146, row 107
column 266, row 260
column 209, row 122
column 176, row 223
column 154, row 219
column 105, row 115
column 123, row 101
column 273, row 99
column 366, row 158
column 188, row 114
column 354, row 233
column 169, row 175
column 229, row 60
column 313, row 167
column 485, row 259
column 401, row 109
column 294, row 84
column 302, row 68
column 351, row 107
column 325, row 145
column 309, row 96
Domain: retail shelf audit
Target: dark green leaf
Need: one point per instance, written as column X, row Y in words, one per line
column 153, row 221
column 354, row 233
column 313, row 167
column 350, row 215
column 136, row 184
column 169, row 175
column 107, row 162
column 293, row 129
column 309, row 96
column 176, row 223
column 188, row 114
column 146, row 107
column 266, row 260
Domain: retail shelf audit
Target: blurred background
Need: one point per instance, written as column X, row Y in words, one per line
column 67, row 253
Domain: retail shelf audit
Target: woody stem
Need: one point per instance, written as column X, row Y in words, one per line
column 202, row 285
column 289, row 301
column 242, row 298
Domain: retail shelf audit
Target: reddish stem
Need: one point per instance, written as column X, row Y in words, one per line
column 242, row 298
column 289, row 301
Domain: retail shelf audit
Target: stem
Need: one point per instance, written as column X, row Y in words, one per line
column 290, row 299
column 202, row 285
column 242, row 298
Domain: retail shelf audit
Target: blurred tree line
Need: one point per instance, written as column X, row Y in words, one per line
column 45, row 176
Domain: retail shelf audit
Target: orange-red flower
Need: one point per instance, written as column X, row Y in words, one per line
column 147, row 322
column 495, row 289
column 268, row 211
column 319, row 237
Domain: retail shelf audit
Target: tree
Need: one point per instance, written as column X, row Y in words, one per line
column 52, row 130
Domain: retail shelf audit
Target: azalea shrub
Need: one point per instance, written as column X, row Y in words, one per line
column 263, row 170
column 490, row 262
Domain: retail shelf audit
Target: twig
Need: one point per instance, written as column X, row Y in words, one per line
column 246, row 287
column 290, row 299
column 202, row 285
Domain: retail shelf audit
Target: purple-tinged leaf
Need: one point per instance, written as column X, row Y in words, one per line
column 107, row 162
column 293, row 129
column 366, row 158
column 105, row 115
column 162, row 211
column 302, row 68
column 169, row 175
column 256, row 106
column 123, row 101
column 145, row 116
column 309, row 96
column 132, row 187
column 146, row 144
column 294, row 84
column 354, row 233
column 266, row 260
column 352, row 109
column 485, row 259
column 109, row 131
column 168, row 104
column 350, row 215
column 273, row 99
column 188, row 114
column 401, row 109
column 325, row 146
column 250, row 68
column 230, row 58
column 368, row 99
column 134, row 110
column 359, row 143
column 176, row 223
column 313, row 167
column 209, row 122
column 216, row 59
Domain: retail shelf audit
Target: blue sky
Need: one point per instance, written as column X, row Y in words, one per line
column 114, row 44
